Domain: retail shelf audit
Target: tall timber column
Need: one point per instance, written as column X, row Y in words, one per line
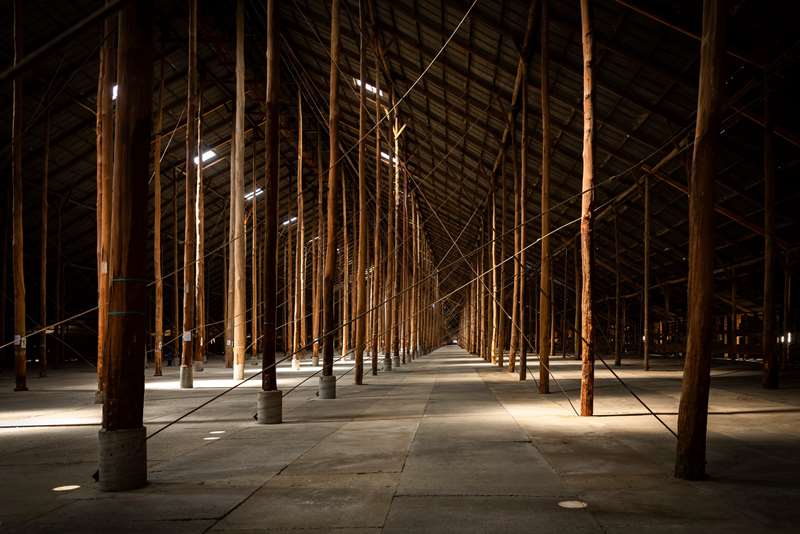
column 587, row 209
column 238, row 256
column 646, row 288
column 255, row 260
column 20, row 353
column 523, row 199
column 122, row 445
column 771, row 375
column 318, row 246
column 159, row 283
column 345, row 277
column 190, row 192
column 693, row 409
column 514, row 341
column 200, row 252
column 105, row 158
column 43, row 262
column 327, row 382
column 299, row 284
column 495, row 311
column 377, row 262
column 618, row 330
column 269, row 397
column 361, row 267
column 392, row 264
column 544, row 262
column 501, row 336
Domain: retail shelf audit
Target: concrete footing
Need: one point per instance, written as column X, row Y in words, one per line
column 187, row 377
column 270, row 407
column 387, row 363
column 396, row 360
column 198, row 366
column 238, row 371
column 295, row 363
column 327, row 387
column 315, row 361
column 122, row 459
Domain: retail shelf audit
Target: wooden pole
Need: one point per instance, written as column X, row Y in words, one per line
column 512, row 351
column 787, row 310
column 269, row 380
column 501, row 326
column 564, row 305
column 618, row 331
column 771, row 375
column 330, row 252
column 395, row 338
column 299, row 308
column 377, row 254
column 175, row 271
column 254, row 264
column 238, row 256
column 587, row 209
column 20, row 354
column 124, row 393
column 646, row 285
column 104, row 138
column 693, row 410
column 345, row 275
column 158, row 355
column 523, row 197
column 732, row 319
column 190, row 196
column 200, row 252
column 43, row 269
column 361, row 295
column 317, row 326
column 544, row 264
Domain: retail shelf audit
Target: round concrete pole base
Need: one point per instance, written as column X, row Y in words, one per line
column 198, row 366
column 387, row 363
column 238, row 371
column 396, row 360
column 187, row 377
column 270, row 407
column 327, row 387
column 315, row 361
column 295, row 363
column 123, row 459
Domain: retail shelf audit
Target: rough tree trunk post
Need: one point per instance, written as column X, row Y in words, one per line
column 395, row 334
column 512, row 350
column 361, row 296
column 501, row 327
column 377, row 260
column 587, row 209
column 43, row 264
column 544, row 265
column 299, row 270
column 190, row 191
column 238, row 257
column 320, row 254
column 523, row 199
column 200, row 252
column 158, row 356
column 270, row 398
column 20, row 354
column 576, row 331
column 105, row 139
column 327, row 389
column 646, row 285
column 617, row 265
column 175, row 271
column 122, row 448
column 771, row 375
column 254, row 263
column 693, row 411
column 345, row 276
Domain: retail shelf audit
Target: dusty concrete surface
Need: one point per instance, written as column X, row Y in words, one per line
column 444, row 444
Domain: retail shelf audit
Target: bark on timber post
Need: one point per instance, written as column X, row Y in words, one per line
column 175, row 271
column 693, row 410
column 646, row 285
column 576, row 332
column 361, row 295
column 200, row 251
column 190, row 232
column 159, row 283
column 771, row 375
column 270, row 398
column 617, row 327
column 122, row 448
column 317, row 308
column 392, row 265
column 328, row 381
column 238, row 257
column 501, row 335
column 20, row 354
column 389, row 291
column 587, row 208
column 345, row 276
column 512, row 351
column 254, row 262
column 495, row 311
column 299, row 271
column 43, row 264
column 105, row 139
column 523, row 198
column 377, row 262
column 544, row 264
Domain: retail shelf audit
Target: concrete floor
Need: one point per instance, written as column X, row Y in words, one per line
column 445, row 444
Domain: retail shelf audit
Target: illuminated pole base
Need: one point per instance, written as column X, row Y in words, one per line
column 387, row 363
column 396, row 360
column 327, row 387
column 238, row 371
column 295, row 363
column 270, row 407
column 315, row 361
column 198, row 366
column 187, row 377
column 123, row 459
